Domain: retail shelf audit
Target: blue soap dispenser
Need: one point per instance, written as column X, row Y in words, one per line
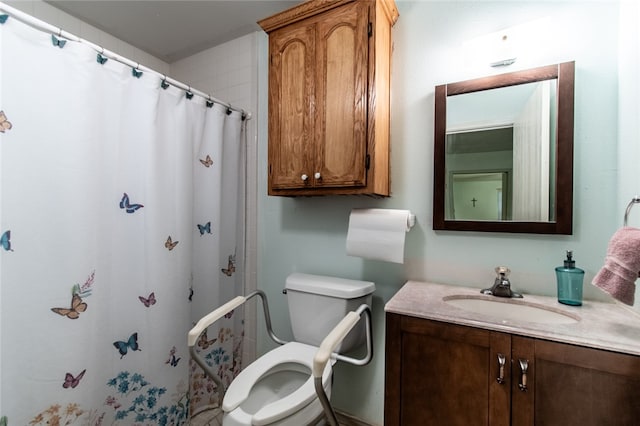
column 570, row 282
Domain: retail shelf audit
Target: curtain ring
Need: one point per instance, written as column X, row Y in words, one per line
column 136, row 71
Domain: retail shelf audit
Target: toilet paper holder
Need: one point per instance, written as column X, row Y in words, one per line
column 411, row 220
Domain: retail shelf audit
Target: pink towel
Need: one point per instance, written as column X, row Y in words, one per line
column 621, row 266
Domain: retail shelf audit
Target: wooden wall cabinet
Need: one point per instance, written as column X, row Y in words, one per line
column 329, row 76
column 445, row 374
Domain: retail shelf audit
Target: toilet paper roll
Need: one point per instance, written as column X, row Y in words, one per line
column 378, row 234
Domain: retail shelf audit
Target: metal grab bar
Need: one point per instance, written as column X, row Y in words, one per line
column 326, row 351
column 214, row 316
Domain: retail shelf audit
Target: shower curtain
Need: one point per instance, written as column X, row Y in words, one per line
column 121, row 223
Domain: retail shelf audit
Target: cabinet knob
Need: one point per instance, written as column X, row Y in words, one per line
column 304, row 177
column 317, row 175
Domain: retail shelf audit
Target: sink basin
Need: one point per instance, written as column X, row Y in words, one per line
column 511, row 309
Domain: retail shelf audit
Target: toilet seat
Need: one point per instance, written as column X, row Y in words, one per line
column 293, row 352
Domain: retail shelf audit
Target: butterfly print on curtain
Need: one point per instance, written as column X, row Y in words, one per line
column 204, row 342
column 172, row 360
column 148, row 301
column 123, row 347
column 5, row 240
column 5, row 124
column 207, row 162
column 170, row 244
column 231, row 266
column 126, row 204
column 77, row 304
column 204, row 229
column 72, row 382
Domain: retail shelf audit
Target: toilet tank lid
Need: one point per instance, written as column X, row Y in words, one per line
column 329, row 286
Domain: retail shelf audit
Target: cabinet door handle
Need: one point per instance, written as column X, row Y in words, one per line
column 524, row 366
column 317, row 175
column 501, row 362
column 304, row 178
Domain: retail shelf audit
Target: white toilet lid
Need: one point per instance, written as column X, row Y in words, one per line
column 292, row 352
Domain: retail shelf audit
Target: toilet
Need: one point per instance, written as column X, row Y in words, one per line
column 278, row 388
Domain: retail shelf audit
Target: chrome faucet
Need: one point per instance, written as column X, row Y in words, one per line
column 501, row 286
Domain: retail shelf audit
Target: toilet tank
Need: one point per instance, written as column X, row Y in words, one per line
column 317, row 304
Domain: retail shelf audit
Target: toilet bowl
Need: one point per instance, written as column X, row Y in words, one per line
column 276, row 389
column 284, row 387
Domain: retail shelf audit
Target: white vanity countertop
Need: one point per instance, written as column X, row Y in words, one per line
column 608, row 326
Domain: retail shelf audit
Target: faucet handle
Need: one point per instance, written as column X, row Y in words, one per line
column 502, row 270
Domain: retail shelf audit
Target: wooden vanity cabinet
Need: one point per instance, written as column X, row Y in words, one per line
column 574, row 385
column 445, row 374
column 329, row 76
column 438, row 374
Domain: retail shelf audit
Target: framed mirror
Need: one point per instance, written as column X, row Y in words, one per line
column 503, row 152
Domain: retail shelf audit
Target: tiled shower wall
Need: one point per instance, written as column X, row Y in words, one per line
column 227, row 72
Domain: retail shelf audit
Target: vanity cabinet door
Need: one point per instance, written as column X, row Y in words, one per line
column 444, row 374
column 573, row 385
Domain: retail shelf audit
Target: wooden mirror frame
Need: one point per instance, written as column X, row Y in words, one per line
column 563, row 224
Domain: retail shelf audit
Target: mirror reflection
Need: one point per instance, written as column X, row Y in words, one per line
column 503, row 152
column 499, row 153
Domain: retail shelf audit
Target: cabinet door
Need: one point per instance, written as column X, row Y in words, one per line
column 577, row 386
column 291, row 97
column 341, row 97
column 444, row 374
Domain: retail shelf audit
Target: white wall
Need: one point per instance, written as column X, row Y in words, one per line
column 629, row 110
column 308, row 234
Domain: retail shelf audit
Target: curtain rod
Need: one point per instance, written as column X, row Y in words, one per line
column 44, row 26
